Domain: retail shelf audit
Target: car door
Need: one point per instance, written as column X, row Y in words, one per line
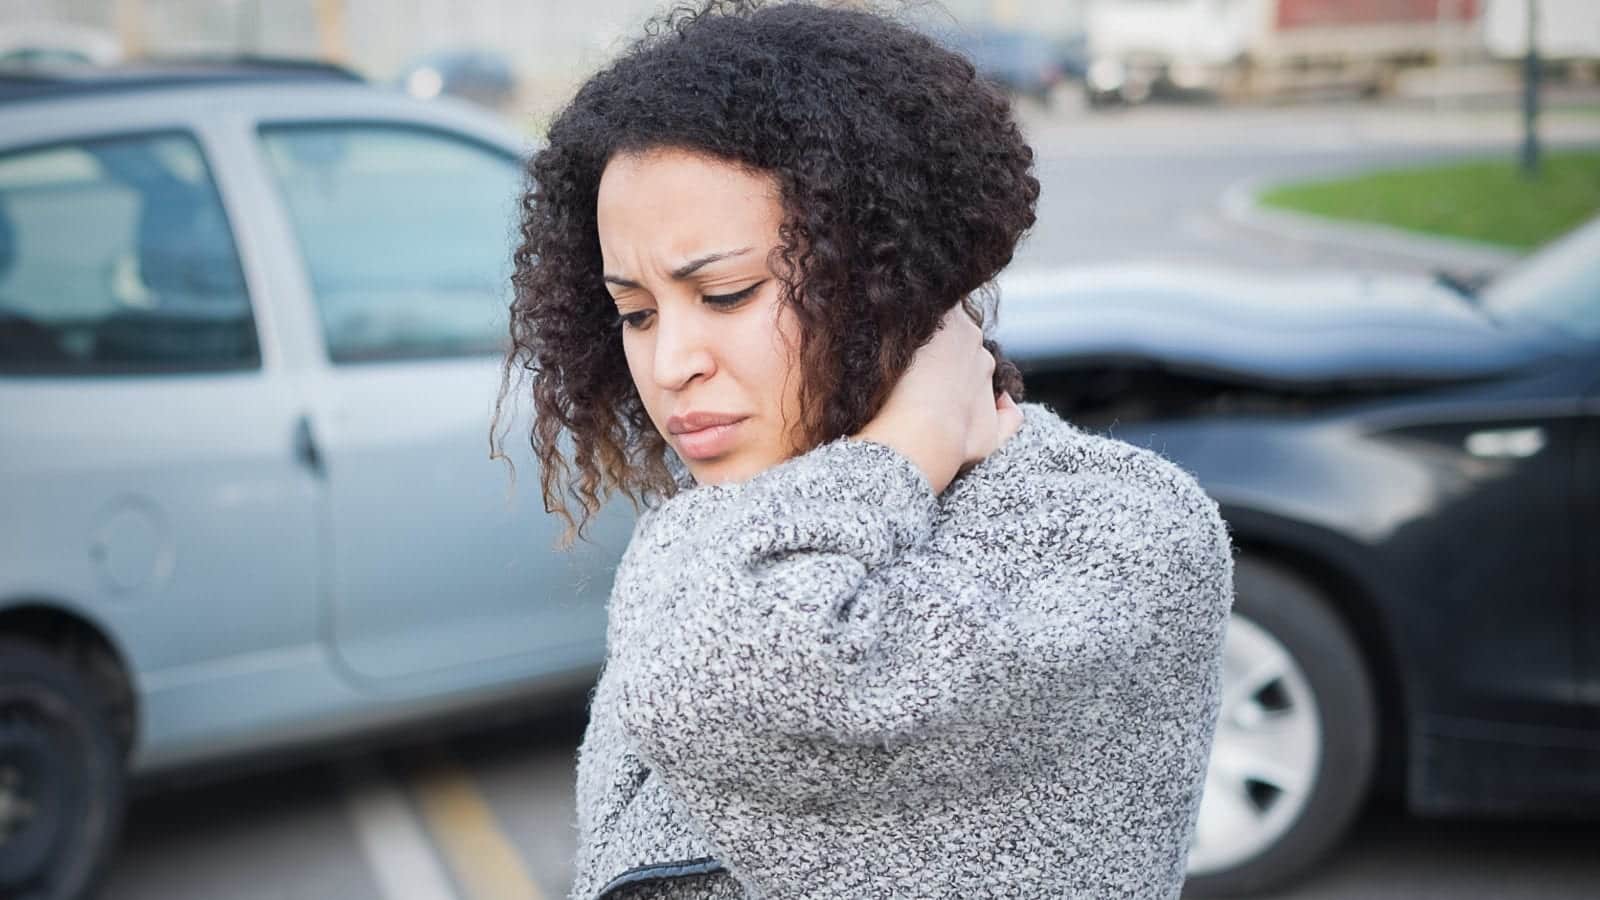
column 148, row 464
column 1491, row 563
column 1557, row 291
column 1586, row 525
column 443, row 572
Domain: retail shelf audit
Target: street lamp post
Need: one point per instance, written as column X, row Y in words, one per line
column 1530, row 95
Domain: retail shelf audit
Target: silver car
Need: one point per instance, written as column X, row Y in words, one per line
column 251, row 328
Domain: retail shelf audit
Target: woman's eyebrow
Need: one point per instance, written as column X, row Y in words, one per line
column 685, row 270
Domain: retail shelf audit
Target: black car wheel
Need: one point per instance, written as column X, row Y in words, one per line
column 61, row 777
column 1296, row 738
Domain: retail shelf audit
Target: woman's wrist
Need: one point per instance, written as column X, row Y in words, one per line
column 935, row 466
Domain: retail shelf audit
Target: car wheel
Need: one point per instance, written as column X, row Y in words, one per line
column 1296, row 737
column 61, row 777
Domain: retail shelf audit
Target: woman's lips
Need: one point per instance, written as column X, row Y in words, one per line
column 708, row 442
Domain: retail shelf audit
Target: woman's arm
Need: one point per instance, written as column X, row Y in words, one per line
column 813, row 603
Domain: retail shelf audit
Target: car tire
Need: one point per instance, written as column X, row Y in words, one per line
column 61, row 777
column 1312, row 700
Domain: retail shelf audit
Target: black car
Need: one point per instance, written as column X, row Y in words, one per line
column 1411, row 472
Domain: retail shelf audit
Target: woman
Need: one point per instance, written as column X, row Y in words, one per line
column 881, row 631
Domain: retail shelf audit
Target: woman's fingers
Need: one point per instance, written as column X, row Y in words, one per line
column 925, row 413
column 1008, row 416
column 933, row 411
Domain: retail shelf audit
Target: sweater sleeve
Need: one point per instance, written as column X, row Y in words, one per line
column 814, row 604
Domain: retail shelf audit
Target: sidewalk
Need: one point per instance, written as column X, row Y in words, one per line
column 1334, row 127
column 1240, row 205
column 1474, row 130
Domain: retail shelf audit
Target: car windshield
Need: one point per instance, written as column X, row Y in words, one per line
column 1558, row 286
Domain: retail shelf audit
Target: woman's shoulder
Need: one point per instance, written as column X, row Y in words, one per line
column 1055, row 469
column 1049, row 447
column 1126, row 536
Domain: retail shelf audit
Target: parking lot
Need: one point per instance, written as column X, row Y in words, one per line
column 403, row 824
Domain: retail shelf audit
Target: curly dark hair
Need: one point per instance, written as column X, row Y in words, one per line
column 905, row 186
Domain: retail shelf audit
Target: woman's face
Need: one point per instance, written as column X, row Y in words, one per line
column 684, row 239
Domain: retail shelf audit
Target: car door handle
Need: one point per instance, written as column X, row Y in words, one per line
column 305, row 448
column 1506, row 443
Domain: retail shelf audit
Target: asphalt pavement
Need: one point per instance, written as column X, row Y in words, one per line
column 1151, row 183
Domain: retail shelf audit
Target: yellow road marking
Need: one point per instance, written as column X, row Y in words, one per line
column 401, row 856
column 485, row 864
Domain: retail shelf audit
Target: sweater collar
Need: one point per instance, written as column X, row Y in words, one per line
column 1036, row 418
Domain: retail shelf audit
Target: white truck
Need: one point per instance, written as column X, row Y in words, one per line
column 1569, row 30
column 1256, row 48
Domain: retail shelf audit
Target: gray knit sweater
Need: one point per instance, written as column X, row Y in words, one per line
column 828, row 682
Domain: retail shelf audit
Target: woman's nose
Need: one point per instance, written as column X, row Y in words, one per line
column 683, row 349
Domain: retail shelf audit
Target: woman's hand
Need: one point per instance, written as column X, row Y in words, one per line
column 1008, row 419
column 918, row 418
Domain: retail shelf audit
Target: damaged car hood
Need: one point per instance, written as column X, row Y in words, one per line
column 1303, row 327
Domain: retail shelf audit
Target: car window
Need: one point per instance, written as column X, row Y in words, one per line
column 407, row 235
column 1558, row 286
column 116, row 256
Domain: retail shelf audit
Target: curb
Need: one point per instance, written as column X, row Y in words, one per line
column 1239, row 204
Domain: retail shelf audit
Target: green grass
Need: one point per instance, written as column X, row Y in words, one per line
column 1486, row 201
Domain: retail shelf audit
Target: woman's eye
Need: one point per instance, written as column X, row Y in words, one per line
column 638, row 320
column 633, row 319
column 730, row 299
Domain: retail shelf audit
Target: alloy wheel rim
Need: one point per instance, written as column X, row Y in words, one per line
column 1266, row 756
column 36, row 786
column 16, row 806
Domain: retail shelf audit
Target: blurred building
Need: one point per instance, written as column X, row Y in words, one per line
column 1568, row 29
column 1128, row 47
column 1255, row 48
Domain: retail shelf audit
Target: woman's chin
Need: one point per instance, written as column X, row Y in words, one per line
column 713, row 471
column 727, row 468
